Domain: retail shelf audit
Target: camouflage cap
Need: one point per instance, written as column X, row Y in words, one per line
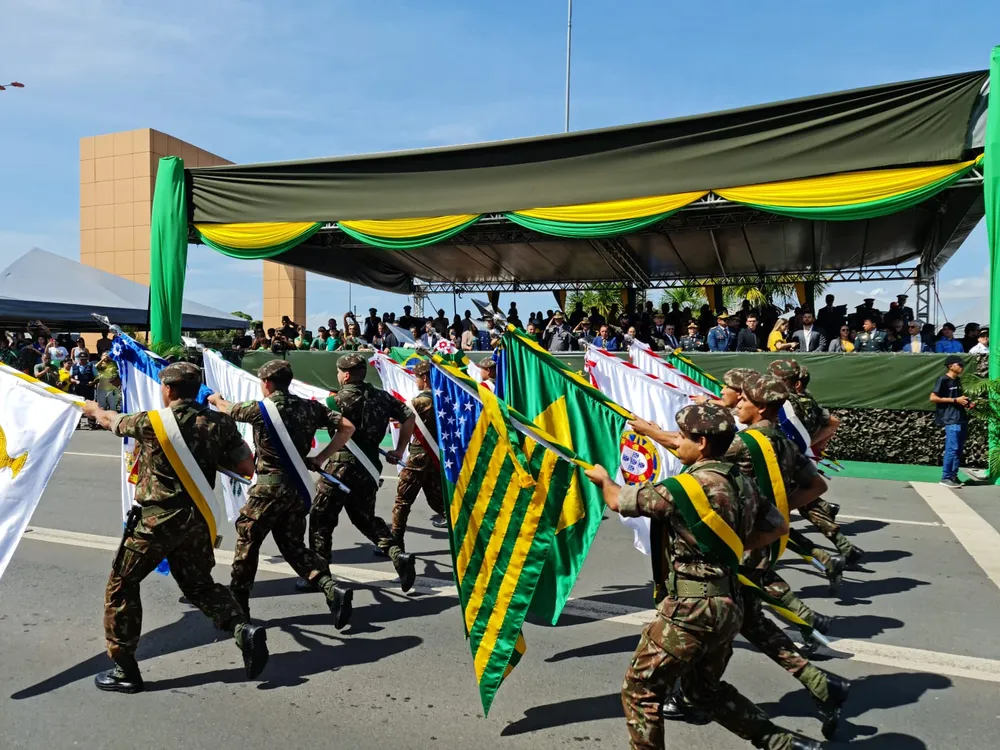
column 765, row 390
column 706, row 420
column 423, row 367
column 803, row 372
column 738, row 376
column 269, row 369
column 180, row 372
column 351, row 362
column 785, row 369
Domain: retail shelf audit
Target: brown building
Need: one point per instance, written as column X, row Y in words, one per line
column 117, row 175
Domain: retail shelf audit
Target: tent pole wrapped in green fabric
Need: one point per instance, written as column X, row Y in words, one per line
column 167, row 252
column 991, row 193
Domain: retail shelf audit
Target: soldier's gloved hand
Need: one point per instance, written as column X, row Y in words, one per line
column 394, row 456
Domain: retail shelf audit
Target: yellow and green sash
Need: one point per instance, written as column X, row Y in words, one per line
column 769, row 481
column 168, row 435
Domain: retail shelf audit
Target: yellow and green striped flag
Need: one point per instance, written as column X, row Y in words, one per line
column 503, row 495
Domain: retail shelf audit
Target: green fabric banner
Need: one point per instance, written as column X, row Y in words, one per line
column 991, row 195
column 388, row 243
column 167, row 252
column 586, row 229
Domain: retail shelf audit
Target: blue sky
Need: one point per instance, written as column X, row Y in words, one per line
column 264, row 81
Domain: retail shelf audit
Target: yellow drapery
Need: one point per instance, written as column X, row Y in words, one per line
column 841, row 189
column 630, row 208
column 407, row 228
column 256, row 235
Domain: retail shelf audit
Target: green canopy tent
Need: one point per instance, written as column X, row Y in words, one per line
column 850, row 182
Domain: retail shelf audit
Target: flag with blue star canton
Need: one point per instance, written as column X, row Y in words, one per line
column 503, row 496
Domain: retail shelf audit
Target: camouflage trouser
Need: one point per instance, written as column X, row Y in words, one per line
column 180, row 536
column 805, row 543
column 359, row 504
column 779, row 648
column 411, row 481
column 818, row 514
column 278, row 510
column 776, row 586
column 691, row 640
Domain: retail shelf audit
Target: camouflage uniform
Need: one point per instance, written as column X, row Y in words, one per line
column 370, row 410
column 274, row 506
column 171, row 526
column 691, row 639
column 422, row 471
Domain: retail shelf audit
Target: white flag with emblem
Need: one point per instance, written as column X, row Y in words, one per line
column 400, row 383
column 649, row 361
column 652, row 399
column 36, row 423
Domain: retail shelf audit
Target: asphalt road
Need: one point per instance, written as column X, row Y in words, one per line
column 918, row 623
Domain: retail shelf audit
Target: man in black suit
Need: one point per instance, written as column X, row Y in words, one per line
column 810, row 338
column 748, row 339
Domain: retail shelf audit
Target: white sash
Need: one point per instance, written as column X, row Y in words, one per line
column 365, row 461
column 431, row 442
column 281, row 432
column 168, row 434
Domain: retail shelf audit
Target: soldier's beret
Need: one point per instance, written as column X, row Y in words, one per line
column 784, row 369
column 269, row 369
column 423, row 367
column 706, row 420
column 765, row 390
column 180, row 372
column 803, row 372
column 737, row 377
column 350, row 362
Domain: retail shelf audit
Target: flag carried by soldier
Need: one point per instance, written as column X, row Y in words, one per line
column 504, row 496
column 398, row 380
column 673, row 369
column 36, row 423
column 538, row 387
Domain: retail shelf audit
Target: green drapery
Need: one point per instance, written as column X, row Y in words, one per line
column 406, row 243
column 263, row 252
column 867, row 210
column 585, row 229
column 991, row 194
column 167, row 252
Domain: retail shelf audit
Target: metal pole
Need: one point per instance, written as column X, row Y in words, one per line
column 569, row 51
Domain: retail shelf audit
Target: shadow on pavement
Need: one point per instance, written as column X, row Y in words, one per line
column 862, row 525
column 862, row 627
column 884, row 556
column 862, row 592
column 567, row 712
column 624, row 645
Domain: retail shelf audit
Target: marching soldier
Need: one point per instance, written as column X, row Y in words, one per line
column 369, row 409
column 694, row 341
column 700, row 611
column 758, row 408
column 278, row 503
column 422, row 471
column 182, row 440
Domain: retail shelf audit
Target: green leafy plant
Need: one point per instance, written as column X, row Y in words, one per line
column 601, row 297
column 985, row 393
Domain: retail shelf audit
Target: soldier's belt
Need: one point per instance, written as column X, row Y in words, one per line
column 688, row 589
column 266, row 480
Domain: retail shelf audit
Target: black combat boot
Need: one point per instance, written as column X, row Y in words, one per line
column 822, row 623
column 804, row 743
column 834, row 509
column 338, row 598
column 835, row 571
column 124, row 678
column 676, row 708
column 829, row 710
column 439, row 522
column 854, row 556
column 252, row 640
column 406, row 567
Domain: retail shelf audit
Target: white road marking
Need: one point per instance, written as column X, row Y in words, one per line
column 92, row 455
column 890, row 521
column 898, row 657
column 980, row 539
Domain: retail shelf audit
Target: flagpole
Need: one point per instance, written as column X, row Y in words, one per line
column 569, row 50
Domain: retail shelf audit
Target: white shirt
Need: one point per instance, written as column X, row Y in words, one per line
column 806, row 335
column 979, row 349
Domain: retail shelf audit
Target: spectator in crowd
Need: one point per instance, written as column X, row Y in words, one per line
column 971, row 337
column 321, row 339
column 81, row 346
column 303, row 342
column 658, row 334
column 871, row 339
column 896, row 334
column 57, row 352
column 694, row 341
column 441, row 323
column 951, row 413
column 41, row 344
column 843, row 342
column 830, row 317
column 720, row 339
column 7, row 355
column 809, row 337
column 928, row 337
column 65, row 375
column 260, row 339
column 584, row 336
column 776, row 339
column 557, row 336
column 415, row 334
column 946, row 343
column 905, row 312
column 352, row 341
column 371, row 325
column 106, row 381
column 81, row 377
column 288, row 330
column 747, row 340
column 596, row 319
column 469, row 339
column 735, row 324
column 512, row 316
column 982, row 343
column 406, row 320
column 430, row 337
column 103, row 343
column 629, row 338
column 384, row 340
column 605, row 339
column 577, row 315
column 46, row 371
column 912, row 341
column 532, row 331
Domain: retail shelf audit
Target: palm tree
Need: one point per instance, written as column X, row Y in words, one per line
column 602, row 297
column 688, row 295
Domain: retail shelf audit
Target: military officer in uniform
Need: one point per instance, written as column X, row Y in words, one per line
column 422, row 470
column 274, row 504
column 700, row 611
column 369, row 409
column 871, row 339
column 166, row 523
column 694, row 341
